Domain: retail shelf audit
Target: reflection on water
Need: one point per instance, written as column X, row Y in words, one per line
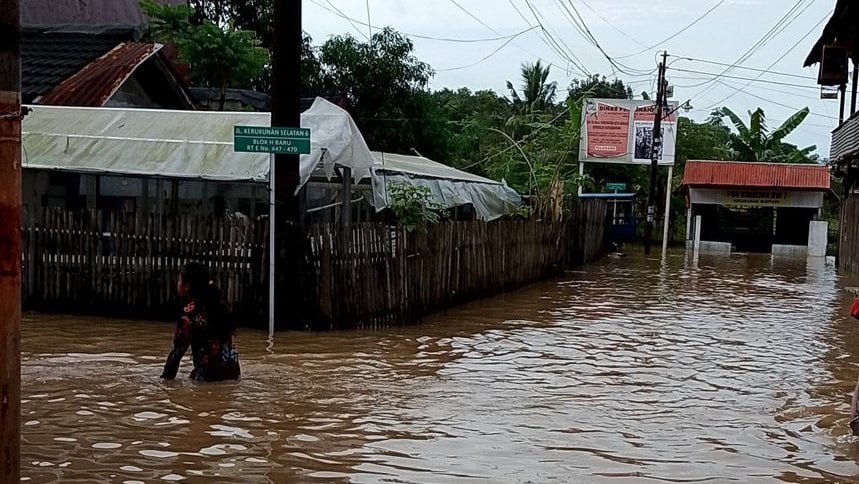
column 626, row 370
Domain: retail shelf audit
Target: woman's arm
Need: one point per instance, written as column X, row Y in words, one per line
column 181, row 341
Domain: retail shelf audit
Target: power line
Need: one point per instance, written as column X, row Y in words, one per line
column 492, row 29
column 342, row 15
column 777, row 103
column 613, row 26
column 581, row 25
column 756, row 79
column 762, row 41
column 746, row 68
column 803, row 94
column 779, row 59
column 369, row 22
column 487, row 57
column 553, row 43
column 678, row 33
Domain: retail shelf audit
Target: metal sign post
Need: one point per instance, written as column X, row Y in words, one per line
column 272, row 140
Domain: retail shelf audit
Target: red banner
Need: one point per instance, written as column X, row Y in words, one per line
column 608, row 131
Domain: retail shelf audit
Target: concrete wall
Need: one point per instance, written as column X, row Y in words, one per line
column 797, row 251
column 818, row 237
column 708, row 247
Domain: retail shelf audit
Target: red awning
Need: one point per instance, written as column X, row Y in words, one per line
column 734, row 174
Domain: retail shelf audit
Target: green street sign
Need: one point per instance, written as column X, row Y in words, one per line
column 269, row 139
column 615, row 187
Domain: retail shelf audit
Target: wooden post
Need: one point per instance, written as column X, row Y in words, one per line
column 287, row 213
column 855, row 87
column 92, row 192
column 10, row 241
column 667, row 222
column 346, row 207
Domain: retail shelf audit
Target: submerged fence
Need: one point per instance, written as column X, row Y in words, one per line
column 369, row 275
column 381, row 275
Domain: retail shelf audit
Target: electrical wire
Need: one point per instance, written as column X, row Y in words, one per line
column 554, row 44
column 676, row 34
column 754, row 48
column 794, row 46
column 568, row 7
column 745, row 68
column 342, row 15
column 777, row 103
column 713, row 75
column 487, row 57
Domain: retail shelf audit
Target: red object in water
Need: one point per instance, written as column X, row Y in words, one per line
column 854, row 311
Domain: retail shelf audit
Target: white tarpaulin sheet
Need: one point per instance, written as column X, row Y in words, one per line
column 449, row 186
column 181, row 144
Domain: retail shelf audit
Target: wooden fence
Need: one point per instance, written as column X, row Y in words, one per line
column 128, row 264
column 381, row 275
column 587, row 231
column 370, row 276
column 848, row 245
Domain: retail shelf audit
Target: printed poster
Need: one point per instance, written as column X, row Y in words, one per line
column 608, row 131
column 643, row 124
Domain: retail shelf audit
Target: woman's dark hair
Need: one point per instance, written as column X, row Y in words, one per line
column 203, row 291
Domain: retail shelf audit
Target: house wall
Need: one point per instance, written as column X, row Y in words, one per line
column 131, row 95
column 42, row 188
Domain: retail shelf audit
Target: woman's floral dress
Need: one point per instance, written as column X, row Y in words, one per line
column 215, row 358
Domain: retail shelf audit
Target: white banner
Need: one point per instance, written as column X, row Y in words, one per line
column 621, row 131
column 744, row 197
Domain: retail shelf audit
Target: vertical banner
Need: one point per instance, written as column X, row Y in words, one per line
column 621, row 131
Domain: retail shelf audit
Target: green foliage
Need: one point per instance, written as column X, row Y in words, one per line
column 414, row 206
column 386, row 87
column 599, row 87
column 167, row 23
column 220, row 55
column 755, row 142
column 538, row 94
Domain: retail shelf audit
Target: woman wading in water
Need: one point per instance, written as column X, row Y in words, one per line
column 205, row 326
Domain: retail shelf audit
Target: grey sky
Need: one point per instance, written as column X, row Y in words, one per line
column 626, row 27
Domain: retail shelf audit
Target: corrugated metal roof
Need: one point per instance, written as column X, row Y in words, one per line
column 50, row 56
column 755, row 175
column 93, row 85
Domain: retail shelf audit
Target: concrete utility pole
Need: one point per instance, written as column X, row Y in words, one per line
column 655, row 148
column 286, row 112
column 10, row 241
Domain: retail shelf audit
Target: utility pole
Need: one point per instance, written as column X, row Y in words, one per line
column 286, row 112
column 655, row 149
column 10, row 241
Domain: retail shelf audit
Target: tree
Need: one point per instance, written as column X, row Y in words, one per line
column 219, row 56
column 469, row 119
column 386, row 88
column 538, row 95
column 700, row 141
column 599, row 87
column 755, row 142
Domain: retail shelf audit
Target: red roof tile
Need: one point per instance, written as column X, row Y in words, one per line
column 733, row 174
column 94, row 85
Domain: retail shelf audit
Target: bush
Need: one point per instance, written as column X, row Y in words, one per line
column 414, row 206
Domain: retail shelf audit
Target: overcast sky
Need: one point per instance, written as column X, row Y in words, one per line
column 622, row 28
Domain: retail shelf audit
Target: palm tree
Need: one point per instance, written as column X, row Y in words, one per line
column 538, row 95
column 755, row 142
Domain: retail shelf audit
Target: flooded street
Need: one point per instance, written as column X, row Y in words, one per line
column 627, row 370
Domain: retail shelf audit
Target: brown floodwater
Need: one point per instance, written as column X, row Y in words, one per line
column 627, row 370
